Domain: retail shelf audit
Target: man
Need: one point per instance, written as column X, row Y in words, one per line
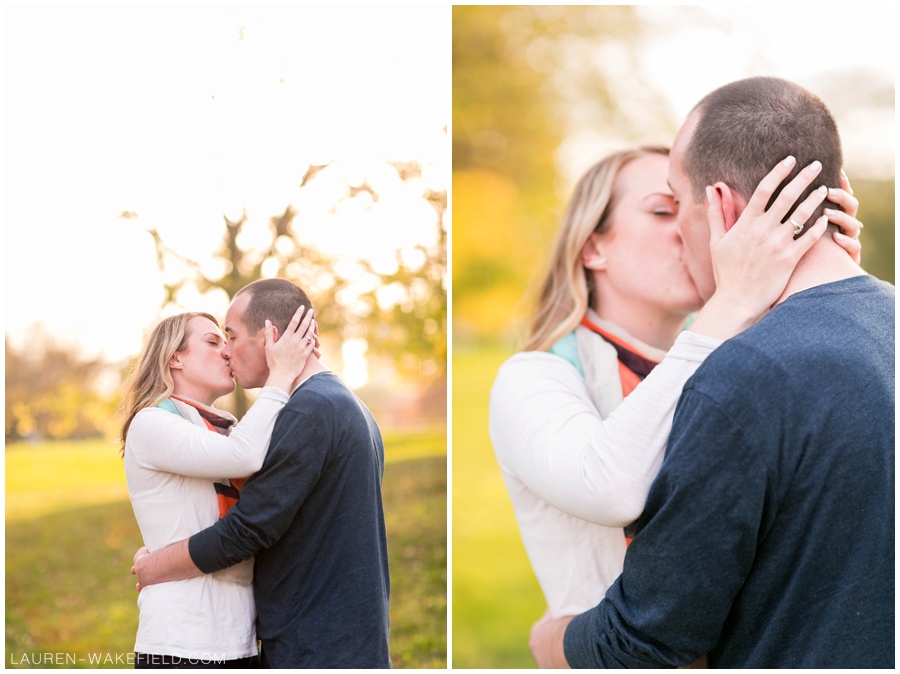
column 312, row 515
column 768, row 536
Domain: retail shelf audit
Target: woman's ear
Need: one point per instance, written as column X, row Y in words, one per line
column 592, row 255
column 175, row 362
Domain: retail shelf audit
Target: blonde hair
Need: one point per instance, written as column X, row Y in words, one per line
column 150, row 381
column 567, row 289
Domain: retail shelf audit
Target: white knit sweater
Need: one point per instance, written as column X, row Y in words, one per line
column 577, row 476
column 171, row 463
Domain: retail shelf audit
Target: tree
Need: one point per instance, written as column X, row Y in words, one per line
column 400, row 312
column 524, row 79
column 410, row 316
column 51, row 391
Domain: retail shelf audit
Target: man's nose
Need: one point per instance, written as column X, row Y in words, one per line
column 678, row 232
column 226, row 351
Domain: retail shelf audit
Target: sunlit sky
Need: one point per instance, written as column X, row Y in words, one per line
column 688, row 51
column 185, row 114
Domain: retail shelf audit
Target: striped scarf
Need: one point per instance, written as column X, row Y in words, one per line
column 633, row 369
column 228, row 491
column 633, row 365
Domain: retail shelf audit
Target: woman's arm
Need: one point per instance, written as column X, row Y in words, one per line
column 160, row 440
column 548, row 433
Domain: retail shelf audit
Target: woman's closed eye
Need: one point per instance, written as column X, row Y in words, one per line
column 661, row 205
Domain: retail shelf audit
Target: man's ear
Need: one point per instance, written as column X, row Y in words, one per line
column 261, row 335
column 592, row 254
column 733, row 204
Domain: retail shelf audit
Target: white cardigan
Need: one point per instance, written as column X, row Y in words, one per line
column 171, row 463
column 576, row 477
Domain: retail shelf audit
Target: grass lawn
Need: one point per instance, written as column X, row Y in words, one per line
column 70, row 536
column 495, row 595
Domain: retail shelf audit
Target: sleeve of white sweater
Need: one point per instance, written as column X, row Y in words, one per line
column 547, row 432
column 162, row 441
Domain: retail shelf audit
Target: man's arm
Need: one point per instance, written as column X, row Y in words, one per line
column 269, row 502
column 172, row 562
column 695, row 545
column 271, row 497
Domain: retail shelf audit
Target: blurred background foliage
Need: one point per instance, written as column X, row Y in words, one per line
column 399, row 314
column 539, row 94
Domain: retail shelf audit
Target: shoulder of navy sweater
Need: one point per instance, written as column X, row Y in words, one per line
column 327, row 403
column 845, row 329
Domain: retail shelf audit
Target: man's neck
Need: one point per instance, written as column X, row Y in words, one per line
column 313, row 366
column 825, row 262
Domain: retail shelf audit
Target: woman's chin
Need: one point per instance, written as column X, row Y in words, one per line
column 696, row 304
column 691, row 299
column 225, row 390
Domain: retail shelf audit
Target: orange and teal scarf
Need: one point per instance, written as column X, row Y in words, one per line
column 228, row 492
column 633, row 365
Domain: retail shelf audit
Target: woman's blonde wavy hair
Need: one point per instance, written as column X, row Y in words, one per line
column 150, row 381
column 567, row 289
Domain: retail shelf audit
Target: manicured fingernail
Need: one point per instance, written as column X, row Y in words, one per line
column 709, row 194
column 822, row 189
column 833, row 191
column 829, row 211
column 816, row 166
column 268, row 323
column 790, row 161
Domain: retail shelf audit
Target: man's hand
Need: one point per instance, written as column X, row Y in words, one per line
column 546, row 642
column 172, row 562
column 142, row 552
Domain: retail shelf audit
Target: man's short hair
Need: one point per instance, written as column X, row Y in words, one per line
column 745, row 128
column 274, row 299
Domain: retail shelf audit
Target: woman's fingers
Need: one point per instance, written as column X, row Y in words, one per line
column 793, row 190
column 305, row 325
column 295, row 320
column 802, row 213
column 849, row 225
column 845, row 200
column 313, row 332
column 845, row 218
column 809, row 238
column 716, row 216
column 845, row 183
column 299, row 328
column 851, row 245
column 768, row 185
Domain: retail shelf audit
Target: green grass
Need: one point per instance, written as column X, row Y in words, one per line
column 495, row 595
column 70, row 536
column 44, row 478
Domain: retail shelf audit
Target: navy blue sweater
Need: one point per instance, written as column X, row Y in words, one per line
column 313, row 517
column 768, row 536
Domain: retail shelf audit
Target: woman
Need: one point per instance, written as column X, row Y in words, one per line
column 577, row 456
column 179, row 454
